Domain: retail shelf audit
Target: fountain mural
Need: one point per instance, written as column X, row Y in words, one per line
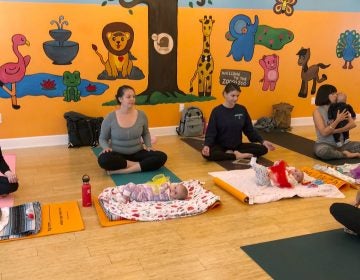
column 60, row 50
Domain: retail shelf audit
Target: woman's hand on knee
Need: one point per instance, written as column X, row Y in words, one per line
column 11, row 176
column 270, row 146
column 106, row 150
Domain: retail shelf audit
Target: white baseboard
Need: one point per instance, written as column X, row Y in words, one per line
column 55, row 140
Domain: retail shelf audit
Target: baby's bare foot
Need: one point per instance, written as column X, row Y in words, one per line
column 351, row 155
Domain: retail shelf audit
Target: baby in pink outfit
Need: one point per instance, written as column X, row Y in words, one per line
column 151, row 192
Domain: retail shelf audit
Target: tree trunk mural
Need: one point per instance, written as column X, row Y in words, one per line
column 162, row 18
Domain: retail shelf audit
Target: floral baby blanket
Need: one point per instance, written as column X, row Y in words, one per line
column 199, row 201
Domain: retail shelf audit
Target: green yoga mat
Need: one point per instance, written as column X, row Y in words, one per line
column 197, row 144
column 325, row 255
column 139, row 177
column 300, row 145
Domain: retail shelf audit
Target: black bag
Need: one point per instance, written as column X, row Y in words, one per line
column 82, row 130
column 191, row 122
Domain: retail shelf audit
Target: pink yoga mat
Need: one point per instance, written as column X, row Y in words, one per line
column 7, row 201
column 10, row 160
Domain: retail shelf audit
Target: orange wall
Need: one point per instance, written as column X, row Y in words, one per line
column 40, row 116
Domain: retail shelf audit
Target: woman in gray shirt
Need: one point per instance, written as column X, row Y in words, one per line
column 125, row 138
column 325, row 146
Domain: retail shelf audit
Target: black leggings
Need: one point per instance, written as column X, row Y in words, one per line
column 148, row 160
column 347, row 215
column 6, row 187
column 218, row 153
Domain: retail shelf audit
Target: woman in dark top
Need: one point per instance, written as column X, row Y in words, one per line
column 348, row 215
column 8, row 182
column 227, row 123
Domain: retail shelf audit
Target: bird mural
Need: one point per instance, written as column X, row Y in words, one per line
column 13, row 72
column 348, row 47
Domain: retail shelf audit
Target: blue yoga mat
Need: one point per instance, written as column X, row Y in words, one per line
column 325, row 255
column 139, row 177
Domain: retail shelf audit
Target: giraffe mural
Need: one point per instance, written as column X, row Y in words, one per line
column 205, row 65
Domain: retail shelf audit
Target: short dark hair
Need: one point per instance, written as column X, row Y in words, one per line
column 322, row 95
column 231, row 87
column 120, row 92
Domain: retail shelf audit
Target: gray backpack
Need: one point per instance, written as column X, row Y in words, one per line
column 191, row 122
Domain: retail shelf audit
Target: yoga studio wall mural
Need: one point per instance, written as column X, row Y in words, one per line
column 118, row 39
column 309, row 73
column 205, row 65
column 348, row 47
column 244, row 35
column 162, row 84
column 15, row 83
column 284, row 7
column 13, row 72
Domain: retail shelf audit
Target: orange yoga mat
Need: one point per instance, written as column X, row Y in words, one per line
column 235, row 192
column 103, row 219
column 58, row 218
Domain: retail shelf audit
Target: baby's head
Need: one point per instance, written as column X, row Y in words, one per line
column 341, row 97
column 178, row 191
column 297, row 174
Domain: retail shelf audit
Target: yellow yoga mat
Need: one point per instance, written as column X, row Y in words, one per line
column 103, row 219
column 235, row 192
column 58, row 218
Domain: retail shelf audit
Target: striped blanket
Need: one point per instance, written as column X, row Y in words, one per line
column 19, row 221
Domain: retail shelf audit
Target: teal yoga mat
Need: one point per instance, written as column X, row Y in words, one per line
column 300, row 145
column 139, row 177
column 325, row 255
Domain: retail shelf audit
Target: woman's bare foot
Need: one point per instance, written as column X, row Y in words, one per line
column 351, row 155
column 239, row 155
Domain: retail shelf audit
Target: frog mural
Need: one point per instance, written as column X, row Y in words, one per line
column 71, row 81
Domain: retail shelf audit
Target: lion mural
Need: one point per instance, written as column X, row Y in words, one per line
column 118, row 39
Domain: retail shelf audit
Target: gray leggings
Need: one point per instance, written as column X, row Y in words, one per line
column 327, row 151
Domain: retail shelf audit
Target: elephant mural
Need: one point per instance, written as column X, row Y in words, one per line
column 242, row 33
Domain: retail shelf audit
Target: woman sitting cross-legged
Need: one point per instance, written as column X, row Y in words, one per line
column 125, row 138
column 325, row 145
column 227, row 124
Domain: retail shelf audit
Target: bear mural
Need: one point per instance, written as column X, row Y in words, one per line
column 270, row 64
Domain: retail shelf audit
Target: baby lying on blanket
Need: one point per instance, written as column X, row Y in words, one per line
column 151, row 192
column 279, row 175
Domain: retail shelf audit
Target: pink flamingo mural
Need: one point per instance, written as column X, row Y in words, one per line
column 13, row 72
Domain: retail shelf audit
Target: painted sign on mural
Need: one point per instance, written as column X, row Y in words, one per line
column 240, row 77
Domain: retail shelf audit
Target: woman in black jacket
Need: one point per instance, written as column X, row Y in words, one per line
column 8, row 182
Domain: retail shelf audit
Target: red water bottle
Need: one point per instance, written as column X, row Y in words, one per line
column 86, row 191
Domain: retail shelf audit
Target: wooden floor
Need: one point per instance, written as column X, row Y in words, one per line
column 200, row 247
